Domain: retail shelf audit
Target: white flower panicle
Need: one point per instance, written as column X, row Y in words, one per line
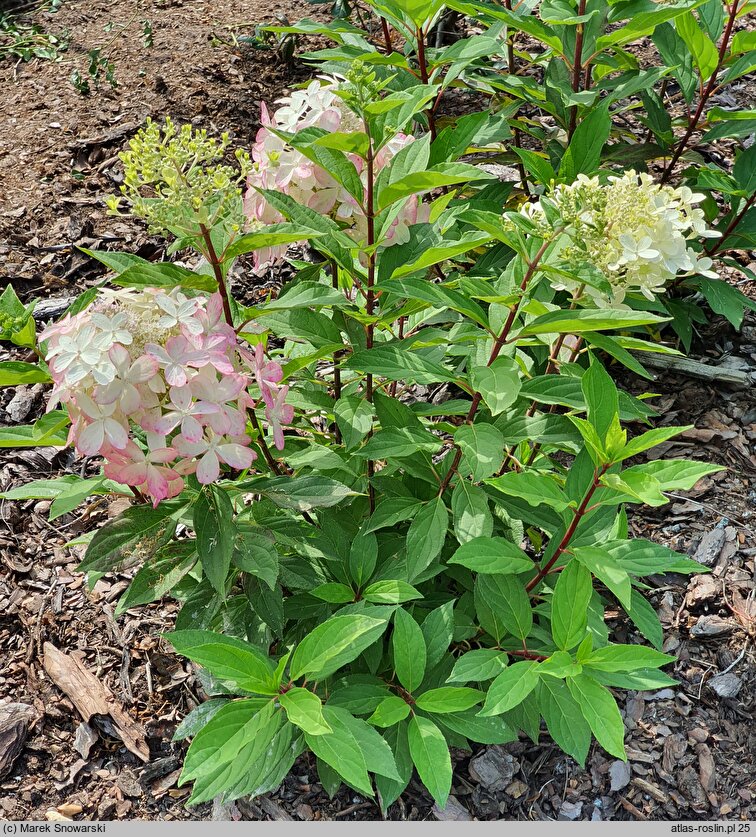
column 634, row 231
column 280, row 167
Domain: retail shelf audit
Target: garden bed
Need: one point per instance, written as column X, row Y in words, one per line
column 691, row 751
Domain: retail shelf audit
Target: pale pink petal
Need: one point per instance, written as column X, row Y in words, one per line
column 191, row 429
column 134, row 474
column 92, row 438
column 208, row 468
column 157, row 484
column 236, row 456
column 117, row 434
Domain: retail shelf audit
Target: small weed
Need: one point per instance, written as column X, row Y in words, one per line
column 27, row 41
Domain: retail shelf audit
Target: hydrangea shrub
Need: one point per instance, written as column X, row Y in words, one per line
column 391, row 497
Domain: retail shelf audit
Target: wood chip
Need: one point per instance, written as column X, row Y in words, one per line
column 651, row 790
column 14, row 727
column 453, row 812
column 91, row 697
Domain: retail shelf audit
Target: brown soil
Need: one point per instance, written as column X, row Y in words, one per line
column 691, row 751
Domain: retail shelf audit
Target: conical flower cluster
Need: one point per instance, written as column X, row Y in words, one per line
column 635, row 232
column 156, row 383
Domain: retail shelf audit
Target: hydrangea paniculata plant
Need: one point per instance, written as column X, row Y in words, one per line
column 634, row 231
column 277, row 165
column 156, row 383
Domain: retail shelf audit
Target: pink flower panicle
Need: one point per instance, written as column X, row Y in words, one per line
column 166, row 368
column 280, row 167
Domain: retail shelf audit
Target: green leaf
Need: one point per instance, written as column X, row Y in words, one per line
column 271, row 236
column 478, row 666
column 333, row 592
column 499, row 383
column 398, row 442
column 302, row 295
column 492, row 555
column 340, row 750
column 396, row 362
column 449, row 699
column 216, row 534
column 442, row 174
column 438, row 629
column 333, row 644
column 305, row 710
column 437, row 295
column 491, row 730
column 354, row 418
column 430, row 754
column 506, row 598
column 563, row 717
column 13, row 372
column 389, row 711
column 426, row 537
column 159, row 576
column 390, row 789
column 231, row 660
column 626, row 658
column 650, row 439
column 363, row 556
column 164, row 275
column 537, row 166
column 409, row 650
column 726, row 300
column 744, row 170
column 607, row 570
column 601, row 397
column 390, row 592
column 645, row 619
column 117, row 262
column 138, row 530
column 600, row 710
column 482, row 447
column 580, row 321
column 583, row 155
column 569, row 605
column 393, row 510
column 302, row 493
column 633, row 485
column 230, row 747
column 510, row 688
column 255, row 553
column 200, row 716
column 702, row 48
column 535, row 489
column 470, row 512
column 28, row 436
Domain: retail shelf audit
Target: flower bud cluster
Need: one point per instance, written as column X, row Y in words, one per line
column 156, row 383
column 278, row 166
column 174, row 178
column 634, row 231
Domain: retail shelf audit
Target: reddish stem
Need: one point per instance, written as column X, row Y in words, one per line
column 717, row 245
column 704, row 98
column 497, row 347
column 215, row 263
column 577, row 68
column 580, row 512
column 423, row 67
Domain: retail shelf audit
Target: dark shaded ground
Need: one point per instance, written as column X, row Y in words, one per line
column 692, row 751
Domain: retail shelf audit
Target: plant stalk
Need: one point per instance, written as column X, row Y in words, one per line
column 215, row 263
column 704, row 98
column 717, row 245
column 577, row 68
column 580, row 512
column 497, row 347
